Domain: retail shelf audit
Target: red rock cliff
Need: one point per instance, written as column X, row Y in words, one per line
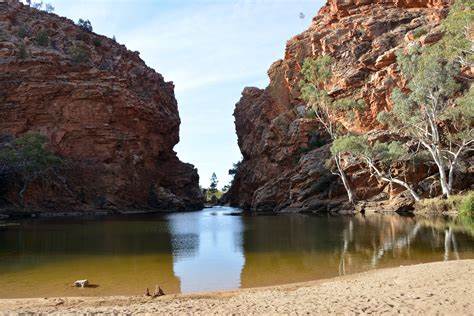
column 280, row 168
column 113, row 119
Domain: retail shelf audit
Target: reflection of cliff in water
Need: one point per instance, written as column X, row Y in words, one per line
column 122, row 256
column 283, row 249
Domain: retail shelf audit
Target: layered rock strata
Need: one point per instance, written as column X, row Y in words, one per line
column 284, row 151
column 112, row 119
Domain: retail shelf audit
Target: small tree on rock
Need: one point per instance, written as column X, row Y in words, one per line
column 378, row 157
column 317, row 72
column 28, row 158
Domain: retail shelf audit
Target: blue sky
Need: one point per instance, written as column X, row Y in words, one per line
column 211, row 50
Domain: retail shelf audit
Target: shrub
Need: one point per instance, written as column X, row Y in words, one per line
column 79, row 54
column 23, row 32
column 22, row 53
column 97, row 42
column 42, row 38
column 461, row 203
column 419, row 32
column 466, row 207
column 26, row 159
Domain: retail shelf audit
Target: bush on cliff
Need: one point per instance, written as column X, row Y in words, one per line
column 22, row 53
column 42, row 38
column 79, row 54
column 26, row 158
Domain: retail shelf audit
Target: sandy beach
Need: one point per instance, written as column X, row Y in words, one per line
column 443, row 288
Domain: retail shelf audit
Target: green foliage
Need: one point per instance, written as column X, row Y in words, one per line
column 235, row 168
column 26, row 159
column 316, row 73
column 419, row 32
column 42, row 38
column 22, row 53
column 317, row 70
column 359, row 146
column 456, row 43
column 463, row 204
column 97, row 42
column 79, row 54
column 85, row 25
column 29, row 155
column 466, row 207
column 356, row 145
column 213, row 185
column 23, row 32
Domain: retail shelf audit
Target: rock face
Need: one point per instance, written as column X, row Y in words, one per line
column 114, row 120
column 284, row 152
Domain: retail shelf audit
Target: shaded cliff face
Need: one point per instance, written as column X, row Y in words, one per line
column 284, row 151
column 113, row 119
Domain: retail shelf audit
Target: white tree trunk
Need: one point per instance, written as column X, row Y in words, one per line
column 344, row 179
column 381, row 176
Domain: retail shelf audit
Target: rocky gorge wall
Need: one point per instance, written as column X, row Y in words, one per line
column 114, row 120
column 284, row 150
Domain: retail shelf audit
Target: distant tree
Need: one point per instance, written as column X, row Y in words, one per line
column 316, row 73
column 85, row 25
column 39, row 5
column 213, row 185
column 28, row 158
column 49, row 7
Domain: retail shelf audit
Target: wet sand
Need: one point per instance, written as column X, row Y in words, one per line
column 443, row 288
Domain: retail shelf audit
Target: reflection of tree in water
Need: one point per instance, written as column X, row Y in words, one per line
column 396, row 239
column 281, row 249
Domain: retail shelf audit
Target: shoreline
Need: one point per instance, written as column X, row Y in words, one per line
column 439, row 287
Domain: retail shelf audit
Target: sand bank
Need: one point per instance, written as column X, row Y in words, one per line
column 433, row 288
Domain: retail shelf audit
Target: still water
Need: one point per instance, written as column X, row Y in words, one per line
column 213, row 250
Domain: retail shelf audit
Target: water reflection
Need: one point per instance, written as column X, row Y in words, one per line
column 210, row 250
column 217, row 258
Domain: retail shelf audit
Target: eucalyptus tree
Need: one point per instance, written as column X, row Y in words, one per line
column 379, row 157
column 429, row 109
column 328, row 111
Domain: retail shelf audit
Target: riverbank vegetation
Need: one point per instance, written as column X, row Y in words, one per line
column 461, row 203
column 24, row 160
column 431, row 122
